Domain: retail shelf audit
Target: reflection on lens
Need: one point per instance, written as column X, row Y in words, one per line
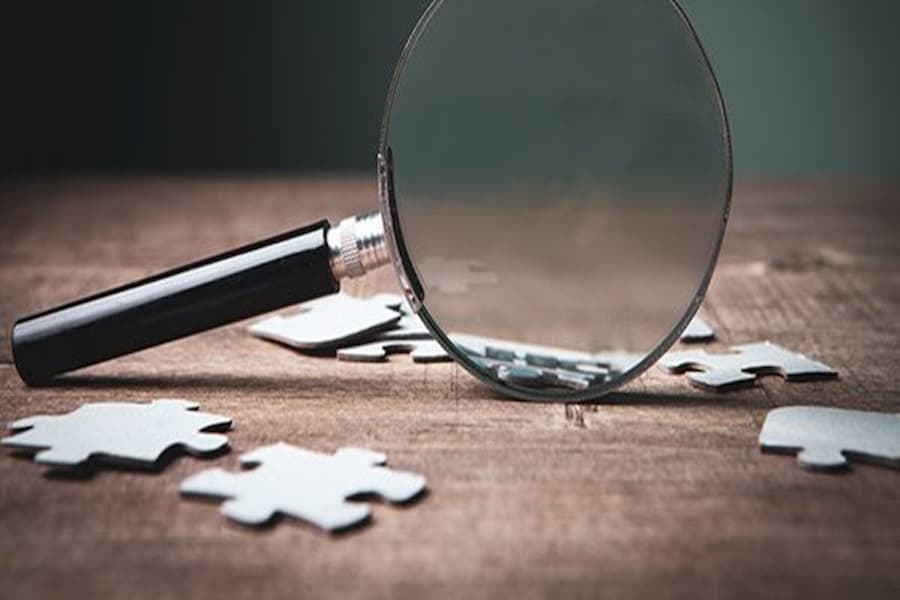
column 561, row 177
column 542, row 367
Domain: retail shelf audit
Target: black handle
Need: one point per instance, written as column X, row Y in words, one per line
column 242, row 283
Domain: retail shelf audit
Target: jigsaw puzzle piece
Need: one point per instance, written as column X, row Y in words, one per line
column 257, row 511
column 307, row 485
column 824, row 438
column 258, row 508
column 421, row 351
column 330, row 322
column 743, row 366
column 131, row 434
column 256, row 497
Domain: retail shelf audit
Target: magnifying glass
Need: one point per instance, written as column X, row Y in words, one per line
column 554, row 180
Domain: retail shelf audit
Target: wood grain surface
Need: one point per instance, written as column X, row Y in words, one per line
column 659, row 491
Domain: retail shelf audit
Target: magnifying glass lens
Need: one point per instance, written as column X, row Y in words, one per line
column 562, row 175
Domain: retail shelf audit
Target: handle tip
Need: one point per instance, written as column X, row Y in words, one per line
column 28, row 366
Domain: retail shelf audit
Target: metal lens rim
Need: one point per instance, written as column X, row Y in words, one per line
column 409, row 280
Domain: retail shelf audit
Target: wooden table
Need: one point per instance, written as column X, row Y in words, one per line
column 660, row 491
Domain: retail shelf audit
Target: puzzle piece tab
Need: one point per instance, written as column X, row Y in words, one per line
column 825, row 437
column 697, row 331
column 306, row 485
column 330, row 322
column 743, row 366
column 134, row 434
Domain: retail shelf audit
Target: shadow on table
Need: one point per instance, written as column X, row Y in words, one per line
column 306, row 385
column 204, row 381
column 689, row 398
column 281, row 520
column 94, row 466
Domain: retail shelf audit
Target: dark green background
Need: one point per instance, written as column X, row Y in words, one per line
column 811, row 85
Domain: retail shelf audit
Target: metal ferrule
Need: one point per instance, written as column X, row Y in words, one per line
column 357, row 246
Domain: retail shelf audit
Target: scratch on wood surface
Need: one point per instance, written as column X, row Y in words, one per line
column 575, row 416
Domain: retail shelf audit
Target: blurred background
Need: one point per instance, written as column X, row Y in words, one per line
column 812, row 86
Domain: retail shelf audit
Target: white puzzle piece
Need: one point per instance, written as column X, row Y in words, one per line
column 306, row 485
column 455, row 276
column 698, row 331
column 421, row 351
column 721, row 371
column 826, row 437
column 135, row 434
column 332, row 321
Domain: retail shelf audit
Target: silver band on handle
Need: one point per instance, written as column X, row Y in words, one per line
column 357, row 246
